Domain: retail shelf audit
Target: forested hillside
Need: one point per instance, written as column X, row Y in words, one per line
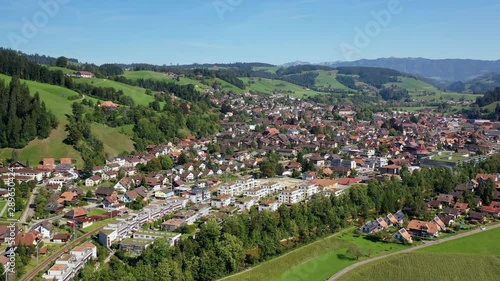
column 22, row 117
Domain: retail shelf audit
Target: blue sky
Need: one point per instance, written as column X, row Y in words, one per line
column 274, row 31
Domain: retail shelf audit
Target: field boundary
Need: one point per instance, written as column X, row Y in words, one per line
column 284, row 255
column 344, row 271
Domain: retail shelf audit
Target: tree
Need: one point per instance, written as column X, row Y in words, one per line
column 166, row 162
column 355, row 251
column 183, row 159
column 62, row 62
column 300, row 158
column 153, row 165
column 89, row 194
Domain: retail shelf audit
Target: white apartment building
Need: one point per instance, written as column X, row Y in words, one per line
column 291, row 196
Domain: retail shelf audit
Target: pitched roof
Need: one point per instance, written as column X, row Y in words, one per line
column 27, row 239
column 76, row 212
column 429, row 227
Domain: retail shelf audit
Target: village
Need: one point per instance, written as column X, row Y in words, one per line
column 135, row 198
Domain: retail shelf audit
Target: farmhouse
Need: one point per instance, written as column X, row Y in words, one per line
column 84, row 74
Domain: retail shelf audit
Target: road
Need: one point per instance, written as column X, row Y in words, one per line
column 427, row 244
column 28, row 210
column 44, row 264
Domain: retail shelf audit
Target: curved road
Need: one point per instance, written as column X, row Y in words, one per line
column 428, row 244
column 44, row 264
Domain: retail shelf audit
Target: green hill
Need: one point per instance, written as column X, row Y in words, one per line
column 55, row 97
column 327, row 79
column 56, row 100
column 270, row 86
column 418, row 88
column 271, row 69
column 64, row 70
column 136, row 93
column 146, row 74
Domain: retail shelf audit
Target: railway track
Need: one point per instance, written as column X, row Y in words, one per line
column 44, row 264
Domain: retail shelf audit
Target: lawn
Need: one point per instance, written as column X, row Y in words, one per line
column 269, row 86
column 315, row 261
column 98, row 224
column 475, row 257
column 136, row 93
column 95, row 212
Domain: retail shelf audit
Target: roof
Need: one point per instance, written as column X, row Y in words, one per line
column 76, row 212
column 405, row 234
column 104, row 191
column 27, row 239
column 175, row 222
column 4, row 260
column 461, row 206
column 62, row 236
column 47, row 225
column 58, row 267
column 426, row 226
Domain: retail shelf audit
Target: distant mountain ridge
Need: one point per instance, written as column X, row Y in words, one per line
column 446, row 70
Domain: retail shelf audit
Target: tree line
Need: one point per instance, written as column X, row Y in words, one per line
column 252, row 237
column 489, row 97
column 374, row 76
column 22, row 117
column 81, row 138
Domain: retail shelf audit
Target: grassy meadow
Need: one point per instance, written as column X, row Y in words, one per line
column 146, row 74
column 56, row 100
column 136, row 93
column 475, row 257
column 315, row 261
column 268, row 86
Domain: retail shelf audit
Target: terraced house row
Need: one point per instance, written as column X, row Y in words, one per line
column 68, row 265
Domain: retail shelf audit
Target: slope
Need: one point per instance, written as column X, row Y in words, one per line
column 56, row 100
column 327, row 79
column 270, row 86
column 475, row 257
column 421, row 90
column 146, row 74
column 137, row 94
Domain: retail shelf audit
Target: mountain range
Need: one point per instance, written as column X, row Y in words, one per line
column 443, row 71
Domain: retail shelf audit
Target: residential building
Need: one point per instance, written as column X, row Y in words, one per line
column 291, row 196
